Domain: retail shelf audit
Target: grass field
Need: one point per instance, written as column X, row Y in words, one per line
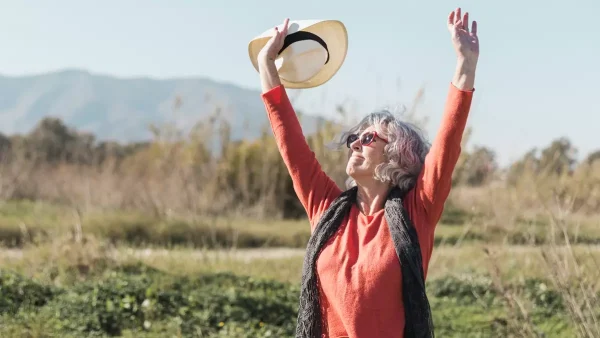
column 73, row 274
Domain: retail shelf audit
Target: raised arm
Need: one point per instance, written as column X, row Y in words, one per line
column 312, row 186
column 433, row 186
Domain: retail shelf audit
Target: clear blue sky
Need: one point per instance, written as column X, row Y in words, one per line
column 537, row 79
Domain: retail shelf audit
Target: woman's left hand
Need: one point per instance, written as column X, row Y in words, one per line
column 465, row 41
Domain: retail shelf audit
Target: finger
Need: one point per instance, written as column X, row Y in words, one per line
column 273, row 38
column 474, row 28
column 280, row 37
column 285, row 26
column 465, row 21
column 451, row 19
column 457, row 16
column 276, row 36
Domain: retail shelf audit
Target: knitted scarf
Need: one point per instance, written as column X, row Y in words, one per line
column 417, row 311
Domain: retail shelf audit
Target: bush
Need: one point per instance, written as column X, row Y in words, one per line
column 18, row 292
column 135, row 299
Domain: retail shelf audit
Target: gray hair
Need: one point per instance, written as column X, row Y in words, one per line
column 405, row 152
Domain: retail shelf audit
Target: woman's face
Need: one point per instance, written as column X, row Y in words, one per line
column 365, row 154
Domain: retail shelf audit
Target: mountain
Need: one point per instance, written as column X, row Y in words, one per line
column 122, row 108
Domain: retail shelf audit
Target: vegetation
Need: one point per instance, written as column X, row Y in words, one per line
column 181, row 236
column 138, row 301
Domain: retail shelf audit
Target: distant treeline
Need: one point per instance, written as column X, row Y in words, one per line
column 174, row 171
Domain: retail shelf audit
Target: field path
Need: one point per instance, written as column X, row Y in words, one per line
column 250, row 254
column 237, row 254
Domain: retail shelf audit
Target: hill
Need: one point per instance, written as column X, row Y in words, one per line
column 121, row 109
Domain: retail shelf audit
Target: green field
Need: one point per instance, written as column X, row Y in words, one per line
column 104, row 274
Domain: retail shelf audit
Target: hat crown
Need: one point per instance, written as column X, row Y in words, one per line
column 301, row 61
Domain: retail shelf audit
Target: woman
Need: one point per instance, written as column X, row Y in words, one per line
column 369, row 251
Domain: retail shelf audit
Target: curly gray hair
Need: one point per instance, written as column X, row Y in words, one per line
column 405, row 152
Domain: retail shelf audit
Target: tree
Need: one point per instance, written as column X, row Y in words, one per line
column 529, row 163
column 593, row 157
column 477, row 167
column 52, row 141
column 481, row 166
column 49, row 140
column 559, row 158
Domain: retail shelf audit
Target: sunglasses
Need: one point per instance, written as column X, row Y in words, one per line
column 365, row 139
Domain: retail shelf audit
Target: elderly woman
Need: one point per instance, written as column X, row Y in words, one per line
column 367, row 258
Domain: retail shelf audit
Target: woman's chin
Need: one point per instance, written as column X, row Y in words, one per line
column 350, row 171
column 355, row 171
column 350, row 168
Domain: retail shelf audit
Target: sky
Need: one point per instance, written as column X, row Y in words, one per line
column 537, row 77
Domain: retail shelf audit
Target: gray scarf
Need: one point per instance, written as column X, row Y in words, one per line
column 418, row 318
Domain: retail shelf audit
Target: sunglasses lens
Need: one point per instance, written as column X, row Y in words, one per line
column 367, row 138
column 351, row 140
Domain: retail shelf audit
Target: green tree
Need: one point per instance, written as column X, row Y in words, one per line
column 593, row 157
column 477, row 167
column 558, row 158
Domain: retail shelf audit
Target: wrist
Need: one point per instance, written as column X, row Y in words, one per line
column 265, row 62
column 464, row 75
column 465, row 64
column 269, row 76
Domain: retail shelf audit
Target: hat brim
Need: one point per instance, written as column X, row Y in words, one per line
column 335, row 35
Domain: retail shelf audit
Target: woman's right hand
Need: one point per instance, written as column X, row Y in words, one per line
column 269, row 52
column 269, row 77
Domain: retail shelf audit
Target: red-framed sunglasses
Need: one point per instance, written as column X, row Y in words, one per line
column 365, row 139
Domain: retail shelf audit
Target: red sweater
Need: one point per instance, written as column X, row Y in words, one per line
column 358, row 270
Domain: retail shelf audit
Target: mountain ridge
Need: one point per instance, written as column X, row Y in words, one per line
column 122, row 108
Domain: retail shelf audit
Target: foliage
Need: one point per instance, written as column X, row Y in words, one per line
column 478, row 167
column 136, row 299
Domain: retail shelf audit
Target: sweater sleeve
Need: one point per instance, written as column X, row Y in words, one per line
column 434, row 183
column 313, row 187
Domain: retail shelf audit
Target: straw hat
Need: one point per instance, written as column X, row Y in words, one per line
column 313, row 51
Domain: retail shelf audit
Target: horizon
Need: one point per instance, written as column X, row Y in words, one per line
column 524, row 72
